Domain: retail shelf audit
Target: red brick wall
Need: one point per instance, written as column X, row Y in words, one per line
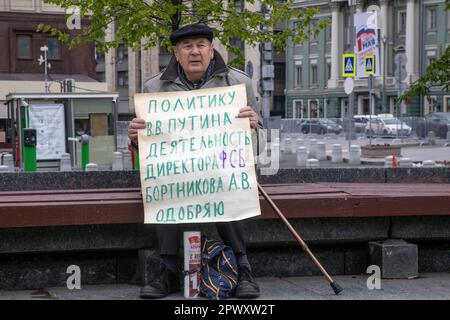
column 80, row 60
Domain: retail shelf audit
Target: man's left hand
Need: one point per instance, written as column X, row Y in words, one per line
column 247, row 112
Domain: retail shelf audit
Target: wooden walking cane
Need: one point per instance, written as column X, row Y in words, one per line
column 336, row 288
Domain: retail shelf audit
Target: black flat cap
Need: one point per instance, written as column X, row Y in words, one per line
column 191, row 30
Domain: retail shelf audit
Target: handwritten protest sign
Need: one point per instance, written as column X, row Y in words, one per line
column 196, row 156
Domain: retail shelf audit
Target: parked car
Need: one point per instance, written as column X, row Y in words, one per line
column 320, row 125
column 435, row 121
column 361, row 121
column 388, row 127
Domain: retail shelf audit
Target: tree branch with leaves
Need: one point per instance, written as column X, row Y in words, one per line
column 155, row 21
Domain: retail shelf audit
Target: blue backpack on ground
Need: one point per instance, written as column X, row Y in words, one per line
column 219, row 270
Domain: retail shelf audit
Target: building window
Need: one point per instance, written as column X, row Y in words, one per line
column 53, row 48
column 348, row 31
column 401, row 23
column 313, row 109
column 24, row 47
column 100, row 76
column 163, row 49
column 328, row 34
column 328, row 71
column 278, row 104
column 280, row 71
column 122, row 79
column 297, row 109
column 298, row 76
column 431, row 60
column 100, row 56
column 431, row 15
column 239, row 5
column 240, row 45
column 122, row 53
column 314, row 37
column 314, row 75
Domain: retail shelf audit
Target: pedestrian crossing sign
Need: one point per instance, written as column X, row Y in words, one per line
column 369, row 64
column 349, row 65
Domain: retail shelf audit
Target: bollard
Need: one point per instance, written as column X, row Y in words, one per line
column 300, row 143
column 282, row 145
column 405, row 163
column 312, row 163
column 64, row 163
column 447, row 142
column 293, row 146
column 336, row 153
column 84, row 140
column 429, row 164
column 302, row 156
column 321, row 152
column 313, row 148
column 4, row 169
column 127, row 162
column 431, row 138
column 117, row 161
column 91, row 167
column 354, row 156
column 388, row 162
column 8, row 161
column 274, row 146
column 287, row 145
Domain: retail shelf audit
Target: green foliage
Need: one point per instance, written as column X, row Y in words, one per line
column 136, row 20
column 437, row 74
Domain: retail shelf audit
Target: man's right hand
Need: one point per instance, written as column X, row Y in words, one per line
column 133, row 127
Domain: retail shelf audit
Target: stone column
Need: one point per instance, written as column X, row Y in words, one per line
column 221, row 48
column 335, row 41
column 133, row 78
column 253, row 54
column 411, row 41
column 110, row 61
column 5, row 5
column 149, row 62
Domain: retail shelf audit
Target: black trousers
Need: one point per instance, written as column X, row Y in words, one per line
column 232, row 234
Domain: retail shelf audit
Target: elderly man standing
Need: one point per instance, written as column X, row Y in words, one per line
column 194, row 65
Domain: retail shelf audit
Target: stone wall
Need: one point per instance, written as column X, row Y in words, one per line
column 39, row 257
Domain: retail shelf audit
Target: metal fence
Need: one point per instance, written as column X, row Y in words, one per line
column 405, row 127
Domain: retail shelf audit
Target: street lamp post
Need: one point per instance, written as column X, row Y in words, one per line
column 352, row 4
column 43, row 60
column 384, row 40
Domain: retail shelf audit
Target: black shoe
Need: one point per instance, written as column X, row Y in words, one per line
column 246, row 286
column 162, row 283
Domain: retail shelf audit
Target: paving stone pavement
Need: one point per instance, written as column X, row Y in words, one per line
column 428, row 286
